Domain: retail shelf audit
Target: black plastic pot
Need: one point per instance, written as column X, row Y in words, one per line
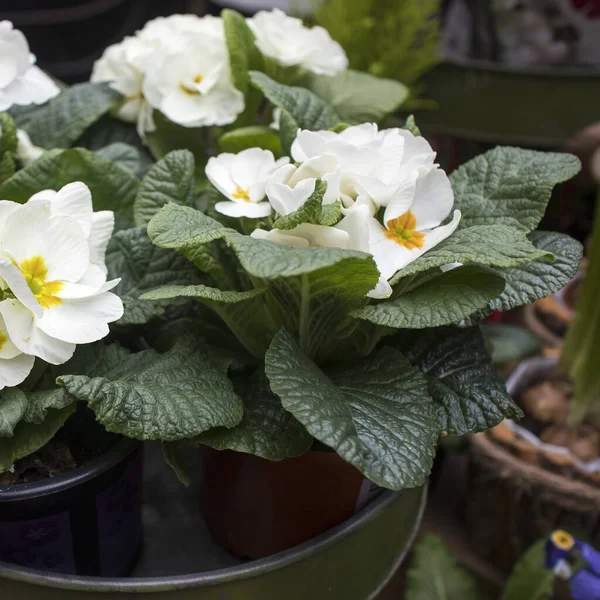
column 87, row 522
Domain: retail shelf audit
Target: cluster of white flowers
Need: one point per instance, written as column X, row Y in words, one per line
column 179, row 65
column 393, row 196
column 21, row 82
column 53, row 289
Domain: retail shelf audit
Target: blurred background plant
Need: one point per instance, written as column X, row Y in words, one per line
column 387, row 38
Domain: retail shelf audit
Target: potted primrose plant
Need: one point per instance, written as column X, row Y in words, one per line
column 556, row 450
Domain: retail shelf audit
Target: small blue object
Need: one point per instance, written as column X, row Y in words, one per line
column 564, row 554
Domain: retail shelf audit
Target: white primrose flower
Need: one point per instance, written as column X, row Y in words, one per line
column 288, row 41
column 14, row 365
column 192, row 86
column 372, row 163
column 242, row 178
column 170, row 32
column 26, row 150
column 412, row 222
column 53, row 273
column 21, row 82
column 124, row 65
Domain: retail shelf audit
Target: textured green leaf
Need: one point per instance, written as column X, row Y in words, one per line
column 13, row 404
column 288, row 130
column 509, row 342
column 529, row 578
column 8, row 134
column 469, row 395
column 434, row 575
column 29, row 437
column 142, row 266
column 254, row 136
column 309, row 212
column 39, row 403
column 180, row 227
column 64, row 118
column 411, row 125
column 377, row 414
column 107, row 131
column 266, row 430
column 112, row 187
column 128, row 157
column 443, row 300
column 307, row 109
column 171, row 396
column 171, row 179
column 491, row 245
column 509, row 185
column 359, row 97
column 540, row 278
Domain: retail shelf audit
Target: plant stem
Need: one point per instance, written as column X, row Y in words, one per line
column 580, row 357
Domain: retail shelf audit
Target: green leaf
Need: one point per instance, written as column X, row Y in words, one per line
column 171, row 396
column 330, row 213
column 434, row 575
column 529, row 578
column 112, row 187
column 142, row 266
column 359, row 97
column 540, row 278
column 171, row 179
column 64, row 118
column 8, row 134
column 13, row 404
column 173, row 458
column 309, row 212
column 377, row 414
column 411, row 125
column 508, row 185
column 288, row 130
column 469, row 395
column 29, row 437
column 254, row 136
column 39, row 403
column 266, row 430
column 307, row 109
column 445, row 299
column 126, row 156
column 509, row 342
column 492, row 245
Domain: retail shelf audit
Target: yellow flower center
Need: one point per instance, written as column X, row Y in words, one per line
column 191, row 91
column 241, row 194
column 402, row 231
column 35, row 273
column 563, row 540
column 3, row 340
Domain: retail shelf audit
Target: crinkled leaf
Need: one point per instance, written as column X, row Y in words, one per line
column 39, row 403
column 377, row 414
column 529, row 578
column 434, row 575
column 330, row 214
column 64, row 118
column 29, row 437
column 8, row 134
column 107, row 131
column 142, row 266
column 510, row 186
column 359, row 97
column 171, row 396
column 8, row 166
column 307, row 109
column 126, row 156
column 443, row 300
column 266, row 430
column 288, row 130
column 113, row 188
column 411, row 125
column 254, row 136
column 491, row 245
column 13, row 404
column 309, row 212
column 462, row 381
column 171, row 179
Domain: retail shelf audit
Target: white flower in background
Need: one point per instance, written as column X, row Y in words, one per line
column 412, row 223
column 170, row 33
column 192, row 86
column 124, row 65
column 14, row 365
column 21, row 82
column 242, row 178
column 26, row 151
column 288, row 41
column 53, row 273
column 290, row 186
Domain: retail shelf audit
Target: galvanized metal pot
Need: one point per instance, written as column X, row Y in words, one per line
column 86, row 522
column 353, row 561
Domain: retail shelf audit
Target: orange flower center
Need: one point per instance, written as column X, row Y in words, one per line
column 402, row 231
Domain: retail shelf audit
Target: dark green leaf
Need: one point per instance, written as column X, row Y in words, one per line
column 173, row 458
column 411, row 125
column 509, row 342
column 254, row 136
column 530, row 579
column 126, row 156
column 13, row 403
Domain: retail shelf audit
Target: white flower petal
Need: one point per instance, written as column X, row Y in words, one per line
column 382, row 290
column 14, row 371
column 6, row 209
column 30, row 339
column 18, row 286
column 356, row 225
column 402, row 200
column 74, row 200
column 278, row 236
column 321, row 235
column 103, row 224
column 7, row 348
column 285, row 199
column 252, row 210
column 434, row 199
column 77, row 290
column 81, row 320
column 218, row 171
column 26, row 150
column 251, row 165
